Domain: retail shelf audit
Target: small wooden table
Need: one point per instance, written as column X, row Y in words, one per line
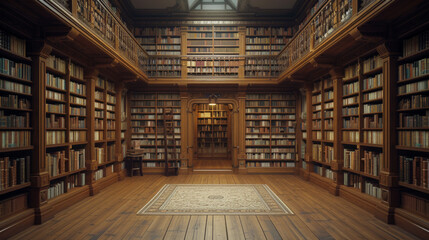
column 134, row 162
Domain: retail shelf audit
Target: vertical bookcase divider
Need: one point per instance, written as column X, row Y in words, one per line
column 91, row 76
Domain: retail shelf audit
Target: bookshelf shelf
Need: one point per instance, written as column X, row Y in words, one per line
column 414, row 187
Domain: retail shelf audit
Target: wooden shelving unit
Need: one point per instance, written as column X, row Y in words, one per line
column 362, row 120
column 105, row 117
column 322, row 134
column 270, row 131
column 213, row 40
column 159, row 40
column 66, row 125
column 266, row 40
column 16, row 85
column 147, row 130
column 213, row 131
column 413, row 123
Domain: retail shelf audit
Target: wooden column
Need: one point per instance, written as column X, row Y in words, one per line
column 309, row 149
column 118, row 151
column 184, row 156
column 189, row 126
column 389, row 172
column 337, row 75
column 39, row 52
column 241, row 146
column 91, row 163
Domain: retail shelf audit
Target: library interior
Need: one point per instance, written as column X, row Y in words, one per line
column 105, row 105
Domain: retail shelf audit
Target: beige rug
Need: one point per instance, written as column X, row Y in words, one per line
column 215, row 199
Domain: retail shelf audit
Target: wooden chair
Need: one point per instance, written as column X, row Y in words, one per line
column 134, row 162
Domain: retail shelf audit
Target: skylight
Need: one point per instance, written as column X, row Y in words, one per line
column 212, row 5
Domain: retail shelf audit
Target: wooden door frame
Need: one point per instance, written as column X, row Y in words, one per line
column 191, row 126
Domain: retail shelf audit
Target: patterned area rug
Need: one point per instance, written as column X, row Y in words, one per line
column 215, row 199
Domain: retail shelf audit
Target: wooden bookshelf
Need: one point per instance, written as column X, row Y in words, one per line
column 413, row 122
column 159, row 40
column 270, row 131
column 66, row 124
column 266, row 40
column 213, row 40
column 213, row 131
column 362, row 124
column 261, row 67
column 16, row 88
column 163, row 66
column 322, row 134
column 105, row 119
column 147, row 131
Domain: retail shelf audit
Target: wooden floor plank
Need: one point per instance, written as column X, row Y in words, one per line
column 234, row 228
column 251, row 228
column 269, row 229
column 178, row 227
column 197, row 228
column 219, row 228
column 158, row 228
column 209, row 228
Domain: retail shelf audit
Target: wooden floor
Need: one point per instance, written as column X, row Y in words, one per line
column 112, row 214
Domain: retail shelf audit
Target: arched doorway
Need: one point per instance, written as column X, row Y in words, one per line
column 212, row 134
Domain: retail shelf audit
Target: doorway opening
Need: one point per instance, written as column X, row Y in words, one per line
column 213, row 136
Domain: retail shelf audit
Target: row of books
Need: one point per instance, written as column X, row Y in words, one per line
column 55, row 81
column 418, row 139
column 414, row 170
column 56, row 162
column 271, row 164
column 165, row 61
column 414, row 87
column 55, row 121
column 373, row 82
column 15, row 69
column 52, row 95
column 14, row 171
column 80, row 111
column 371, row 63
column 77, row 136
column 56, row 63
column 415, row 69
column 76, row 71
column 373, row 121
column 351, row 136
column 15, row 139
column 77, row 100
column 55, row 108
column 15, row 101
column 415, row 44
column 55, row 137
column 414, row 102
column 350, row 88
column 414, row 121
column 77, row 88
column 350, row 100
column 14, row 87
column 9, row 120
column 12, row 43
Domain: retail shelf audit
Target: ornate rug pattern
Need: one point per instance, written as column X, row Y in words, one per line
column 215, row 199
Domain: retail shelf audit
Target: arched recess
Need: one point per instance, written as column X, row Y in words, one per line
column 191, row 126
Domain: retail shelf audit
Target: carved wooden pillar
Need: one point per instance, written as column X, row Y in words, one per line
column 118, row 151
column 337, row 75
column 190, row 146
column 309, row 146
column 39, row 52
column 91, row 163
column 241, row 147
column 184, row 156
column 389, row 173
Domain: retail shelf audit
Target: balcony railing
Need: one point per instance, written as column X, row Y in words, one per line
column 101, row 18
column 325, row 19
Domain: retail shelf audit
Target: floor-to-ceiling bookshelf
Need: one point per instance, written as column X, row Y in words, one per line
column 270, row 132
column 15, row 123
column 147, row 129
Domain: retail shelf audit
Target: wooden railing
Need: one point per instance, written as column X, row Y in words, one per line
column 102, row 20
column 326, row 18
